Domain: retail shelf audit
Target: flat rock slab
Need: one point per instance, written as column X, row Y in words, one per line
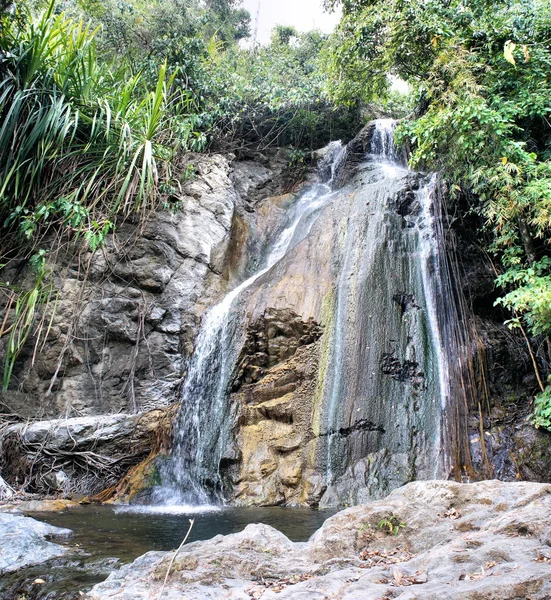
column 23, row 542
column 487, row 540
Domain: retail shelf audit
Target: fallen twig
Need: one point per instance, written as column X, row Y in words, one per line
column 191, row 522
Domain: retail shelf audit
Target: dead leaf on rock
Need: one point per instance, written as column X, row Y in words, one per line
column 421, row 578
column 384, row 557
column 276, row 585
column 401, row 579
column 255, row 593
column 473, row 576
column 543, row 558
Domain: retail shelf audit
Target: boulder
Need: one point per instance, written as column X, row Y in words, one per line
column 23, row 542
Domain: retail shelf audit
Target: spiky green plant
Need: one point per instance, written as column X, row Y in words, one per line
column 66, row 156
column 23, row 306
column 77, row 148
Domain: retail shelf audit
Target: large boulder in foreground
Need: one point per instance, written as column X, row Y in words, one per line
column 23, row 542
column 487, row 540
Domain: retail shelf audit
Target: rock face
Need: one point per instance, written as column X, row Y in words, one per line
column 23, row 542
column 357, row 410
column 124, row 327
column 370, row 309
column 274, row 387
column 272, row 339
column 125, row 323
column 426, row 541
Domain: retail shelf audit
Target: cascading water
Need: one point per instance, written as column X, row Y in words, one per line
column 382, row 146
column 368, row 264
column 388, row 382
column 202, row 434
column 382, row 151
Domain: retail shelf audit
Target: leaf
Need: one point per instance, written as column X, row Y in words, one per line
column 526, row 53
column 508, row 50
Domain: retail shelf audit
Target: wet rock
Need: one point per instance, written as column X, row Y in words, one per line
column 405, row 203
column 370, row 382
column 251, row 180
column 512, row 448
column 274, row 432
column 272, row 339
column 405, row 302
column 483, row 541
column 407, row 370
column 373, row 476
column 48, row 505
column 56, row 480
column 24, row 542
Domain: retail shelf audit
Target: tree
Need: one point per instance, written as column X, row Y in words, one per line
column 282, row 34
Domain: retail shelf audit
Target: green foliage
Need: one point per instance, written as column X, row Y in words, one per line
column 264, row 96
column 542, row 410
column 142, row 34
column 274, row 95
column 98, row 98
column 71, row 153
column 530, row 295
column 22, row 307
column 391, row 524
column 283, row 34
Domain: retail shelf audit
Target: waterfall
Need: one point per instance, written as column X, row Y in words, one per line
column 387, row 385
column 203, row 427
column 388, row 370
column 382, row 151
column 382, row 146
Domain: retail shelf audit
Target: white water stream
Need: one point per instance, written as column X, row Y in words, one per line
column 204, row 423
column 388, row 378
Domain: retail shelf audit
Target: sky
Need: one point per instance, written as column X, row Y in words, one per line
column 305, row 15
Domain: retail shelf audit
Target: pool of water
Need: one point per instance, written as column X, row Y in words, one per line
column 105, row 537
